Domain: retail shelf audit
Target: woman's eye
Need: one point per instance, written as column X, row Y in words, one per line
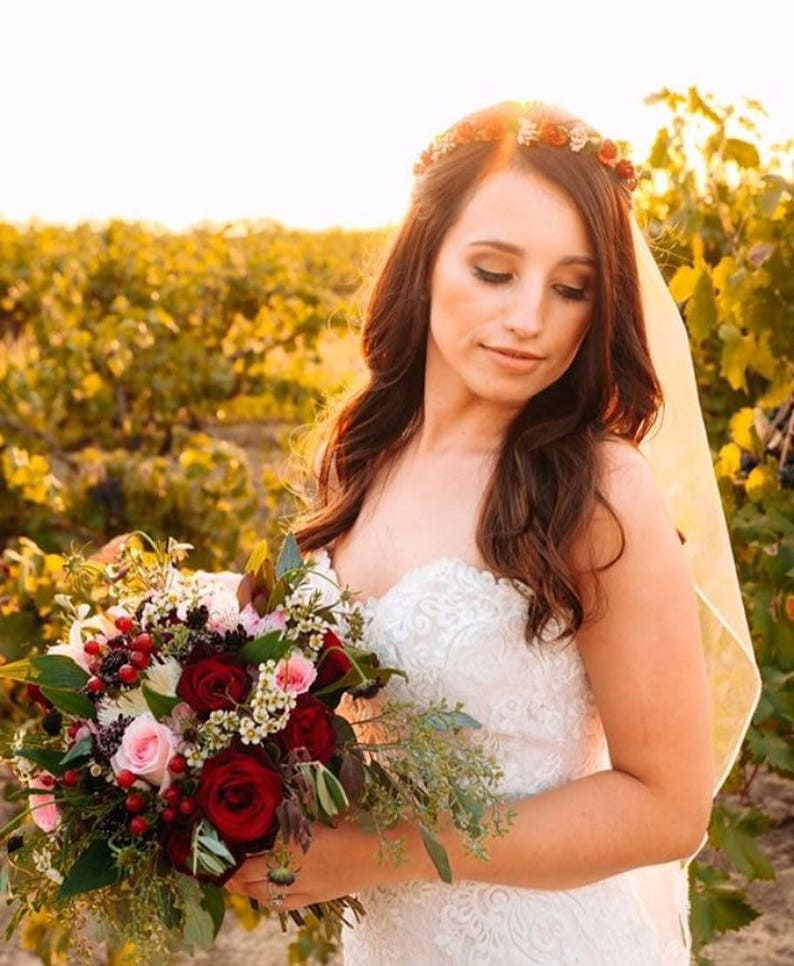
column 493, row 278
column 572, row 294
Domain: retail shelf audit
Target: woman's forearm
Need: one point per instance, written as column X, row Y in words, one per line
column 568, row 836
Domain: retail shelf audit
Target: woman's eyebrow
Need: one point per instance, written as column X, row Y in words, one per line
column 517, row 250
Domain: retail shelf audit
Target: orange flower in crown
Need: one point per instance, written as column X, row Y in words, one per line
column 527, row 130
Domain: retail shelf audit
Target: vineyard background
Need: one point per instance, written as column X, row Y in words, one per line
column 167, row 382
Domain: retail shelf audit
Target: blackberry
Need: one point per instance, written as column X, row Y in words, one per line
column 113, row 823
column 52, row 722
column 211, row 641
column 14, row 843
column 108, row 739
column 197, row 618
column 234, row 640
column 108, row 670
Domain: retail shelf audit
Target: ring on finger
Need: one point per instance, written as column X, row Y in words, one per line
column 275, row 900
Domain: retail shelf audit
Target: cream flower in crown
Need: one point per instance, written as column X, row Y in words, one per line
column 527, row 131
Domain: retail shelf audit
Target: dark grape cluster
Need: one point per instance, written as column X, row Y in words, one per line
column 53, row 722
column 107, row 740
column 197, row 618
column 108, row 669
column 113, row 823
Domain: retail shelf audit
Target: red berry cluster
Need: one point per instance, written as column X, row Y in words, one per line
column 118, row 662
column 176, row 802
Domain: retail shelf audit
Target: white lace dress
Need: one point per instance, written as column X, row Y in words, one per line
column 459, row 632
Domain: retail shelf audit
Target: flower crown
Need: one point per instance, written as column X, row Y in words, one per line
column 560, row 134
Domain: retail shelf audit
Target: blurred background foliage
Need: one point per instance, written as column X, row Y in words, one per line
column 161, row 382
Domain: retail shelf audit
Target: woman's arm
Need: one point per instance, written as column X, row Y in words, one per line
column 644, row 660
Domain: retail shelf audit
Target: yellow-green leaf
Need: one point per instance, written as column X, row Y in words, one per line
column 701, row 309
column 742, row 152
column 682, row 284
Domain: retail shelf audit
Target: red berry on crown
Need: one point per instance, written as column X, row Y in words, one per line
column 528, row 130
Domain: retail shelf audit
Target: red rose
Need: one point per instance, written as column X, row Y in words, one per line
column 608, row 152
column 239, row 792
column 332, row 662
column 554, row 134
column 310, row 726
column 215, row 683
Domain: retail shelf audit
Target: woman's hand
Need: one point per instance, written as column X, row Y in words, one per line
column 340, row 861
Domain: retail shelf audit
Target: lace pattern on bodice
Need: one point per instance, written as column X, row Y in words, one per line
column 458, row 632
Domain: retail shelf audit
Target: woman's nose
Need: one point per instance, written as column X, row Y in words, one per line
column 525, row 316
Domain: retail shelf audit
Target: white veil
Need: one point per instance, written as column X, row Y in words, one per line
column 678, row 452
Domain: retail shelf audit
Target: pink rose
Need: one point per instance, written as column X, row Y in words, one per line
column 295, row 673
column 146, row 748
column 43, row 809
column 256, row 626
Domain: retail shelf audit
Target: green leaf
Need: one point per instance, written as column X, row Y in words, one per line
column 70, row 703
column 161, row 705
column 736, row 833
column 277, row 595
column 701, row 309
column 450, row 720
column 742, row 152
column 772, row 748
column 80, row 750
column 290, row 556
column 50, row 759
column 214, row 901
column 324, row 796
column 344, row 730
column 17, row 671
column 17, row 630
column 199, row 924
column 335, row 788
column 59, row 671
column 438, row 854
column 720, row 909
column 271, row 646
column 94, row 869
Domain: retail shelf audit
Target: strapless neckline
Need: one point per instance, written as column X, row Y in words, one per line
column 445, row 561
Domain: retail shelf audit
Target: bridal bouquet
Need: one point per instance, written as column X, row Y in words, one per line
column 182, row 733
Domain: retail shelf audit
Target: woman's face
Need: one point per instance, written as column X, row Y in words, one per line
column 515, row 274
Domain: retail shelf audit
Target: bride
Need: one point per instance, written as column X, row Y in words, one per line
column 487, row 497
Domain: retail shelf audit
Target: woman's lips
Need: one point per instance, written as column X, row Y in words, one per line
column 511, row 358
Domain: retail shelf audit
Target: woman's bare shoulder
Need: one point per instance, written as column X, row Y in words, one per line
column 632, row 505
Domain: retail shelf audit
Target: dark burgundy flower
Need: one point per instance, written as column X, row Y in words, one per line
column 216, row 683
column 310, row 726
column 238, row 793
column 332, row 662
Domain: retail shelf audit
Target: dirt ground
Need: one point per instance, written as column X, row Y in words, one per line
column 769, row 941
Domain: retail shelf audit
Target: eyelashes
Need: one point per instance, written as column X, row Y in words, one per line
column 566, row 292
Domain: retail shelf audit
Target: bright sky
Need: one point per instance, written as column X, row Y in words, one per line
column 312, row 112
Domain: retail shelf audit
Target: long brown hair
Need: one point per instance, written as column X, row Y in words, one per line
column 547, row 477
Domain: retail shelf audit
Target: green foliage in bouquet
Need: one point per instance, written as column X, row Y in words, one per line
column 184, row 731
column 724, row 216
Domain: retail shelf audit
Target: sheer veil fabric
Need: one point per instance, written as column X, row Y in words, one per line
column 678, row 452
